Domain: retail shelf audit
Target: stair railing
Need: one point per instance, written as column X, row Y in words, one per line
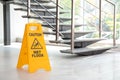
column 57, row 20
column 72, row 24
column 96, row 7
column 29, row 8
column 57, row 17
column 46, row 9
column 114, row 22
column 100, row 19
column 56, row 4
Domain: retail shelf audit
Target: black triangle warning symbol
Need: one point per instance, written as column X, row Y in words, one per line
column 36, row 44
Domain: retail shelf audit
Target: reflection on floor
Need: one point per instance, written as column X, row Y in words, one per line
column 104, row 66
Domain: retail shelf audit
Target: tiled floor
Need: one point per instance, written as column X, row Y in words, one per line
column 64, row 66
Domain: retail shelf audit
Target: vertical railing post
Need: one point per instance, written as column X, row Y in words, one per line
column 72, row 24
column 28, row 9
column 114, row 22
column 57, row 20
column 100, row 18
column 114, row 25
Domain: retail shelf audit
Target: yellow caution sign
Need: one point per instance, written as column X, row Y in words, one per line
column 33, row 51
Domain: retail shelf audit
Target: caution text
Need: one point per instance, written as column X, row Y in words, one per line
column 37, row 54
column 35, row 34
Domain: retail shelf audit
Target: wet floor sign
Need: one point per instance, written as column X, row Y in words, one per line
column 33, row 51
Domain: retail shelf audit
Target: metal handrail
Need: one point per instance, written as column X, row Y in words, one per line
column 40, row 16
column 56, row 4
column 46, row 9
column 110, row 2
column 88, row 12
column 57, row 18
column 91, row 15
column 100, row 20
column 37, row 14
column 92, row 4
column 96, row 7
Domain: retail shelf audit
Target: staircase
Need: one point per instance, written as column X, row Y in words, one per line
column 45, row 10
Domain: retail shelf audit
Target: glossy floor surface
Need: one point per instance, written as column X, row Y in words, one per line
column 104, row 66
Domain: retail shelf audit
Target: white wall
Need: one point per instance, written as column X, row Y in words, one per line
column 1, row 23
column 17, row 23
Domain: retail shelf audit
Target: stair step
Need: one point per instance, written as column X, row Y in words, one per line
column 67, row 34
column 51, row 33
column 8, row 1
column 41, row 1
column 80, row 43
column 42, row 11
column 63, row 26
column 82, row 40
column 35, row 5
column 48, row 18
column 87, row 51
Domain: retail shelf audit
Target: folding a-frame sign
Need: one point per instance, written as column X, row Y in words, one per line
column 33, row 51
